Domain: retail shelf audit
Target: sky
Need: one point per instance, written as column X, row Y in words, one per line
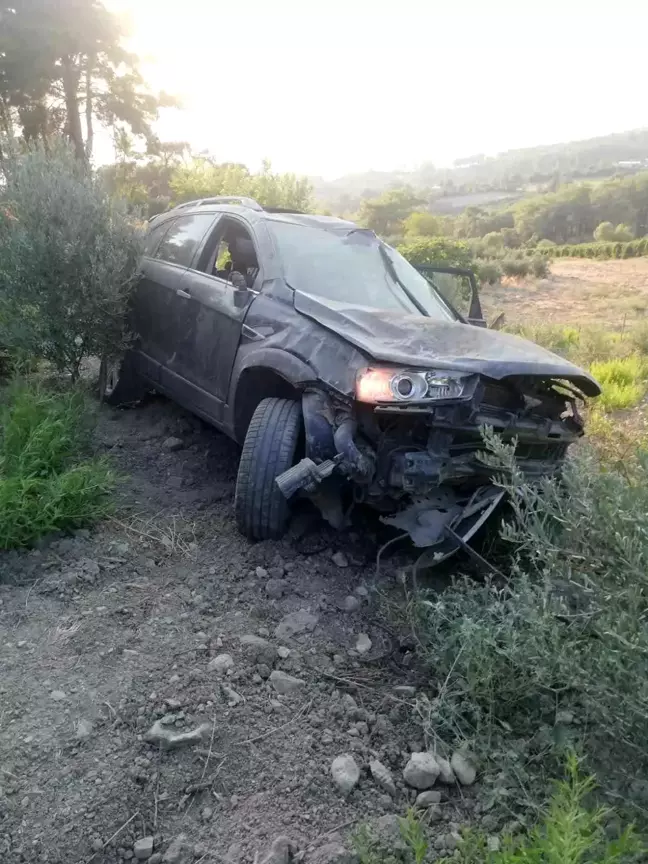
column 330, row 87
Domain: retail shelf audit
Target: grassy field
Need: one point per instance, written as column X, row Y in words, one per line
column 612, row 294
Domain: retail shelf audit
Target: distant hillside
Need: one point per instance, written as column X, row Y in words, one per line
column 510, row 172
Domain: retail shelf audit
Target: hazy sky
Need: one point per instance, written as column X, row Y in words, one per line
column 332, row 86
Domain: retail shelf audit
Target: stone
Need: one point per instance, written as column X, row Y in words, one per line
column 421, row 771
column 351, row 604
column 221, row 664
column 283, row 652
column 179, row 852
column 84, row 729
column 428, row 798
column 256, row 649
column 345, row 773
column 165, row 738
column 156, row 858
column 363, row 644
column 172, row 444
column 233, row 698
column 280, row 852
column 382, row 775
column 284, row 683
column 57, row 695
column 361, row 591
column 295, row 623
column 332, row 853
column 446, row 774
column 464, row 768
column 143, row 848
column 276, row 588
column 340, row 559
column 261, row 573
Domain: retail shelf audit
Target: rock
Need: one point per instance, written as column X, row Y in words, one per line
column 428, row 799
column 234, row 853
column 57, row 695
column 345, row 773
column 97, row 844
column 84, row 730
column 388, row 832
column 283, row 652
column 382, row 775
column 405, row 690
column 340, row 559
column 179, row 852
column 446, row 774
column 361, row 591
column 233, row 698
column 256, row 649
column 221, row 664
column 295, row 623
column 421, row 771
column 261, row 573
column 363, row 644
column 464, row 768
column 332, row 853
column 280, row 852
column 284, row 683
column 172, row 444
column 276, row 588
column 143, row 848
column 351, row 604
column 165, row 738
column 156, row 858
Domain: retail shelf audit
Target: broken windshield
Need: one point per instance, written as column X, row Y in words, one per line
column 354, row 267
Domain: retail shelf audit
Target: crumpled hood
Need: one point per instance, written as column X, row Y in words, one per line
column 413, row 340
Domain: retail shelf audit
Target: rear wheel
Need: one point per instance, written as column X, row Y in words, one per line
column 270, row 448
column 119, row 384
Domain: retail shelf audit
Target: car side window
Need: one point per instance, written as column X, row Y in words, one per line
column 155, row 234
column 181, row 241
column 230, row 254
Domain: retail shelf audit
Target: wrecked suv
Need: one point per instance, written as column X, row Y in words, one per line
column 343, row 371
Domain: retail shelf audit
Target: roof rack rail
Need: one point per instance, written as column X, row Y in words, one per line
column 224, row 199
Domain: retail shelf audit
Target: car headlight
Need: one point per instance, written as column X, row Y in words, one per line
column 409, row 385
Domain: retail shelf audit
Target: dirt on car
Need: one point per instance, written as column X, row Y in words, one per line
column 173, row 692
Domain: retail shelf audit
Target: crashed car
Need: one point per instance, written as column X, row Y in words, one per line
column 343, row 371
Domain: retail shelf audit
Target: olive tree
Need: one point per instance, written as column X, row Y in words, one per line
column 68, row 259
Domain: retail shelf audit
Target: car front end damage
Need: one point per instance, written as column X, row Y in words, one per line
column 409, row 445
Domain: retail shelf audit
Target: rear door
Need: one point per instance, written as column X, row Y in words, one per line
column 169, row 250
column 209, row 312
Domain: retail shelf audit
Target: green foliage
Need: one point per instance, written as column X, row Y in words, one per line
column 556, row 656
column 414, row 836
column 622, row 381
column 515, row 268
column 489, row 272
column 437, row 250
column 545, row 244
column 604, row 233
column 423, row 224
column 386, row 214
column 632, row 249
column 570, row 832
column 202, row 178
column 45, row 483
column 68, row 259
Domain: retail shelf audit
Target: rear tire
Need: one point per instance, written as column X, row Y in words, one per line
column 270, row 448
column 119, row 384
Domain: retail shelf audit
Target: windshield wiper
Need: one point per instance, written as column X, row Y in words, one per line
column 389, row 264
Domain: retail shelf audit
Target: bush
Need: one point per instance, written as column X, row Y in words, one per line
column 68, row 257
column 46, row 484
column 515, row 268
column 540, row 266
column 437, row 250
column 556, row 656
column 570, row 831
column 545, row 244
column 488, row 272
column 604, row 232
column 622, row 381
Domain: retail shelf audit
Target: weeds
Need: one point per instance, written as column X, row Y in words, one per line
column 45, row 483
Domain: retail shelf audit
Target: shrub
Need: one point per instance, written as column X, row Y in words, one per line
column 540, row 266
column 516, row 268
column 437, row 250
column 68, row 257
column 622, row 381
column 571, row 830
column 488, row 272
column 545, row 244
column 604, row 232
column 46, row 484
column 556, row 656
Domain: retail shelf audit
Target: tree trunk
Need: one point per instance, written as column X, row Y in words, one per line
column 88, row 107
column 71, row 89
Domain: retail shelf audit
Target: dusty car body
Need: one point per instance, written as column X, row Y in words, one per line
column 340, row 369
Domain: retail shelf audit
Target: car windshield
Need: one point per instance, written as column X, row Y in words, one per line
column 354, row 267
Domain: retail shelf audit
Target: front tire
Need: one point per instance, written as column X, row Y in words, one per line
column 119, row 384
column 270, row 448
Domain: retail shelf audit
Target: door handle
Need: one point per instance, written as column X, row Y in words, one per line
column 181, row 293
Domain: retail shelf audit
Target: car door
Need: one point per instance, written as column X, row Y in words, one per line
column 209, row 314
column 458, row 287
column 169, row 250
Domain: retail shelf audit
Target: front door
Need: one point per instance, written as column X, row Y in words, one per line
column 458, row 287
column 209, row 312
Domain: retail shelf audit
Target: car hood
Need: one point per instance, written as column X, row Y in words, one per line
column 414, row 340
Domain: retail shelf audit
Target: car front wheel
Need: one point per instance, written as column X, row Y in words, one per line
column 270, row 448
column 119, row 384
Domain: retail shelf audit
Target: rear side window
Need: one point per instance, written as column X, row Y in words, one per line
column 155, row 234
column 181, row 241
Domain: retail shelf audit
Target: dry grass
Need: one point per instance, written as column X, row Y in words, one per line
column 613, row 294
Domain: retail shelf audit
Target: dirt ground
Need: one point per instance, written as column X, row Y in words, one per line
column 105, row 632
column 612, row 294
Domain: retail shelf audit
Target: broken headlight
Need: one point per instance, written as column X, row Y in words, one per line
column 409, row 385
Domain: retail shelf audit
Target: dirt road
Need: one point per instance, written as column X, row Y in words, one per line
column 104, row 633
